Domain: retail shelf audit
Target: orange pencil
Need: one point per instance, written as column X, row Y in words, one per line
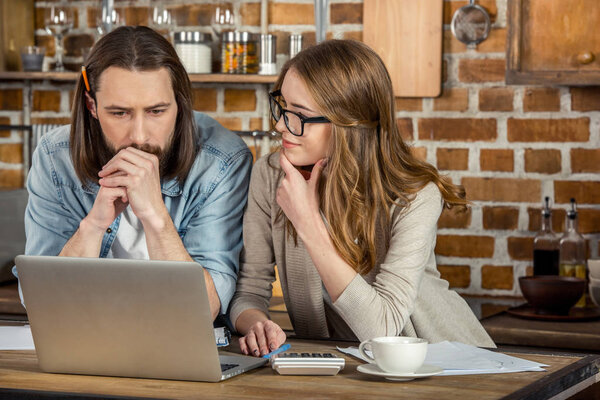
column 85, row 79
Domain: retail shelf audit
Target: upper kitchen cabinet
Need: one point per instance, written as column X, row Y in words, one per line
column 553, row 42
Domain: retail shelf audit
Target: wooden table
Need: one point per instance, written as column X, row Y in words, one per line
column 507, row 329
column 20, row 376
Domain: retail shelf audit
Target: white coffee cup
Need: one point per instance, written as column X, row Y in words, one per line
column 395, row 354
column 594, row 267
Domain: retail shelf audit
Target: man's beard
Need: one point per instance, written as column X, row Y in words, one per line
column 163, row 155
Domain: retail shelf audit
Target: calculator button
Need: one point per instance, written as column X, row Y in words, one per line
column 305, row 355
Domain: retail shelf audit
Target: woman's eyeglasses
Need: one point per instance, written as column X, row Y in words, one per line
column 293, row 121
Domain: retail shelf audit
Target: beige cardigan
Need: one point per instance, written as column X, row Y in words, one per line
column 402, row 295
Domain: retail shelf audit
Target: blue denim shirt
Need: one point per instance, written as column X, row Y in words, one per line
column 206, row 210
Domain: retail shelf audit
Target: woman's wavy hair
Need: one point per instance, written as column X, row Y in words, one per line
column 135, row 49
column 370, row 167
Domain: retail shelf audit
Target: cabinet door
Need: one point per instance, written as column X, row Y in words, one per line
column 554, row 41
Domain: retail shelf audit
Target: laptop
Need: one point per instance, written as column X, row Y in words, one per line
column 130, row 318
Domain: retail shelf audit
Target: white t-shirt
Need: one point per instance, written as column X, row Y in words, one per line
column 131, row 238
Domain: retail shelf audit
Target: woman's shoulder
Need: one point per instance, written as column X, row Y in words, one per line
column 427, row 200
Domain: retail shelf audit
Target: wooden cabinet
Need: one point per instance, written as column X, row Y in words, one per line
column 553, row 42
column 16, row 31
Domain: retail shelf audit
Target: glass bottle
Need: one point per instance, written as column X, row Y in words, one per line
column 572, row 251
column 546, row 245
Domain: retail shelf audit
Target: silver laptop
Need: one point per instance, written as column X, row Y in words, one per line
column 134, row 318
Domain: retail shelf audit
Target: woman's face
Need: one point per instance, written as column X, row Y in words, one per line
column 313, row 145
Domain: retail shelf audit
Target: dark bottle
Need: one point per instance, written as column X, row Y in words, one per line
column 546, row 245
column 572, row 252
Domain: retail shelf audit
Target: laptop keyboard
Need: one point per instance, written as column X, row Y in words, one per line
column 225, row 367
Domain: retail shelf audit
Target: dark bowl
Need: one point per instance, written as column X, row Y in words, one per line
column 550, row 294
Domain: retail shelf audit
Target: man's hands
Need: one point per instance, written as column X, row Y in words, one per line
column 135, row 173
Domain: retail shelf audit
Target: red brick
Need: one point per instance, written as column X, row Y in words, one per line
column 11, row 178
column 543, row 161
column 585, row 98
column 584, row 160
column 502, row 189
column 250, row 13
column 548, row 130
column 496, row 99
column 234, row 124
column 453, row 159
column 11, row 153
column 353, row 35
column 75, row 43
column 500, row 218
column 458, row 276
column 455, row 218
column 239, row 100
column 520, row 248
column 419, row 152
column 46, row 100
column 256, row 124
column 405, row 127
column 497, row 277
column 11, row 99
column 451, row 44
column 481, row 70
column 465, row 246
column 461, row 129
column 205, row 99
column 585, row 192
column 136, row 15
column 291, row 14
column 496, row 160
column 47, row 42
column 495, row 43
column 589, row 220
column 409, row 104
column 4, row 121
column 51, row 120
column 541, row 99
column 346, row 13
column 452, row 100
column 535, row 219
column 450, row 8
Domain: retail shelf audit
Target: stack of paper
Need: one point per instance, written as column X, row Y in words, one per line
column 462, row 359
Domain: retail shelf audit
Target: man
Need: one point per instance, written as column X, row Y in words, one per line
column 138, row 174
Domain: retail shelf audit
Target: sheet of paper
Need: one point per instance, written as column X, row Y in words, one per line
column 16, row 338
column 461, row 359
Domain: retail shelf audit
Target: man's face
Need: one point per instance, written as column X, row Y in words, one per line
column 137, row 109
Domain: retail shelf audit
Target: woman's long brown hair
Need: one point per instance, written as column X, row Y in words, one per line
column 135, row 49
column 370, row 167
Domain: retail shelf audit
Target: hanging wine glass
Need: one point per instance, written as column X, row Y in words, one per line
column 162, row 20
column 108, row 20
column 58, row 21
column 223, row 19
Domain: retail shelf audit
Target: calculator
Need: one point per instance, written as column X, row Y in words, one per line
column 307, row 363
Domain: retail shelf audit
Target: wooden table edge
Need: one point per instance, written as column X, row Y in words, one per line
column 580, row 371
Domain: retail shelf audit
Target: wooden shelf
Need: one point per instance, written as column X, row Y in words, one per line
column 194, row 78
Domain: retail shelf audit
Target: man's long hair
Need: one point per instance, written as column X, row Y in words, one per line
column 134, row 49
column 370, row 168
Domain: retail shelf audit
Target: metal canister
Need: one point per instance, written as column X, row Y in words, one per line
column 295, row 45
column 268, row 53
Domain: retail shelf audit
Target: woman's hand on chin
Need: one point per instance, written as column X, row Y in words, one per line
column 299, row 198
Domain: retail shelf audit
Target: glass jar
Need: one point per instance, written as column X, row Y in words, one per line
column 194, row 51
column 247, row 52
column 229, row 57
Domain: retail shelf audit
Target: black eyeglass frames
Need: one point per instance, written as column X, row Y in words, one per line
column 293, row 120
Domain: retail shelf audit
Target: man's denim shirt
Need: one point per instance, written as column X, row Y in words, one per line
column 206, row 210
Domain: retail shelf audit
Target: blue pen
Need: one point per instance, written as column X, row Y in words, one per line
column 279, row 350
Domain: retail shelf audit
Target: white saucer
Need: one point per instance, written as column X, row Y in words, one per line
column 423, row 372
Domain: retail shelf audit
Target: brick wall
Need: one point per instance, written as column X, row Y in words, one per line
column 508, row 145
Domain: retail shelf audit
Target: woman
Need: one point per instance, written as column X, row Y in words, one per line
column 347, row 214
